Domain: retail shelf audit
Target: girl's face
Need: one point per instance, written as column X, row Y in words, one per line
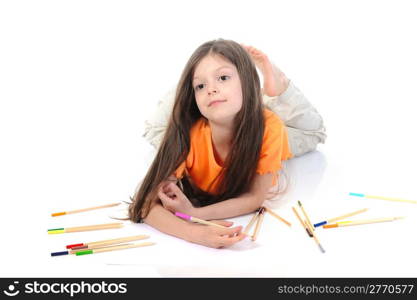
column 217, row 88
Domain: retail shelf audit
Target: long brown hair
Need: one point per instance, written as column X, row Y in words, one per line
column 242, row 160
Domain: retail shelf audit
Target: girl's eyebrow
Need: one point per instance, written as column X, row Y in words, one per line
column 222, row 67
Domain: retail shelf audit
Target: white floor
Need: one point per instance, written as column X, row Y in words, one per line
column 321, row 182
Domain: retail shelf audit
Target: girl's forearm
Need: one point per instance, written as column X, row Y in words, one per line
column 166, row 222
column 233, row 207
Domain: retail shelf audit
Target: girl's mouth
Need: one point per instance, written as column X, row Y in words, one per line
column 214, row 102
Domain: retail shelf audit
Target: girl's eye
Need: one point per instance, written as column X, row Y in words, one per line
column 224, row 77
column 199, row 86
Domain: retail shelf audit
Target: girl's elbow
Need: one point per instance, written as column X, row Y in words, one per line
column 257, row 201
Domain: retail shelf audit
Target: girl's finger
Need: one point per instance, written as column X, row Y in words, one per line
column 228, row 241
column 163, row 197
column 174, row 188
column 229, row 231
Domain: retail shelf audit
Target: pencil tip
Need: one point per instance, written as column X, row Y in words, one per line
column 299, row 203
column 321, row 248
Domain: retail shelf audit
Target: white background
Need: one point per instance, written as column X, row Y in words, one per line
column 78, row 79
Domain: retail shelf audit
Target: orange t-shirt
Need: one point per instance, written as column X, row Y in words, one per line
column 201, row 163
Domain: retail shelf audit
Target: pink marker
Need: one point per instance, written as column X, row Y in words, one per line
column 197, row 220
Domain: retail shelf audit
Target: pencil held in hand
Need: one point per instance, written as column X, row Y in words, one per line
column 197, row 220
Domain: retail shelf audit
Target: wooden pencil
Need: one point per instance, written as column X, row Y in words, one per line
column 75, row 250
column 341, row 217
column 83, row 209
column 258, row 223
column 277, row 216
column 310, row 226
column 361, row 222
column 107, row 242
column 85, row 228
column 308, row 222
column 317, row 242
column 251, row 222
column 119, row 247
column 197, row 220
column 383, row 198
column 302, row 222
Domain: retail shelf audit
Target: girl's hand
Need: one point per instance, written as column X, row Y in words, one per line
column 174, row 200
column 216, row 237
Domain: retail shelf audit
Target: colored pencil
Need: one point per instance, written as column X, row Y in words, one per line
column 308, row 222
column 83, row 209
column 277, row 217
column 85, row 228
column 251, row 222
column 311, row 228
column 258, row 223
column 74, row 251
column 382, row 198
column 303, row 224
column 340, row 217
column 119, row 247
column 106, row 242
column 361, row 222
column 197, row 220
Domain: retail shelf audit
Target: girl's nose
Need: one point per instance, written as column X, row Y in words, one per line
column 212, row 89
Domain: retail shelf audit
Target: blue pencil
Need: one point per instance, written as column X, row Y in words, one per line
column 340, row 217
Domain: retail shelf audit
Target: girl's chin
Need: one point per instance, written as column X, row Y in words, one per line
column 221, row 118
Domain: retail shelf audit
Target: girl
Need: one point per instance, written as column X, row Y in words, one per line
column 221, row 145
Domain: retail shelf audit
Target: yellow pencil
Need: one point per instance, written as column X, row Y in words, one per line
column 83, row 209
column 361, row 222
